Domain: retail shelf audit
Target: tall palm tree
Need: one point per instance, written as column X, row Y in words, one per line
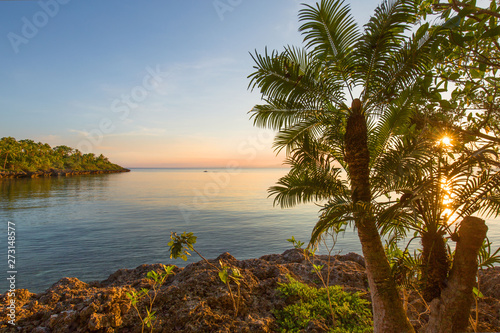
column 307, row 92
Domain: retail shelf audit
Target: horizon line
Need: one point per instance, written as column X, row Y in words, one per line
column 208, row 168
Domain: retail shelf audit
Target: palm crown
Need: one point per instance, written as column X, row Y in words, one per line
column 306, row 91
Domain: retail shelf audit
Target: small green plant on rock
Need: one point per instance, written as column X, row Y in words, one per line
column 180, row 247
column 158, row 280
column 352, row 313
column 309, row 254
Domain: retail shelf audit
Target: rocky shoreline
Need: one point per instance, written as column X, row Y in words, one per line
column 194, row 299
column 55, row 173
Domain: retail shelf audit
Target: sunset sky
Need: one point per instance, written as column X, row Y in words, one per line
column 157, row 83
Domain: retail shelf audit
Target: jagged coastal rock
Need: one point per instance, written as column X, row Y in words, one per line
column 194, row 299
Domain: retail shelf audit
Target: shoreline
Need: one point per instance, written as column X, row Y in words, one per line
column 55, row 173
column 193, row 298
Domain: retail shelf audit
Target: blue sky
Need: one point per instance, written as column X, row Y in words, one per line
column 157, row 83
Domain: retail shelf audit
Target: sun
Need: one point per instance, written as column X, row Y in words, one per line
column 446, row 141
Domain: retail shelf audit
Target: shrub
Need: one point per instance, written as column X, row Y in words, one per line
column 306, row 304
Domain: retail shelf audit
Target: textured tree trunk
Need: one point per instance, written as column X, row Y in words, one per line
column 388, row 313
column 5, row 163
column 450, row 312
column 435, row 265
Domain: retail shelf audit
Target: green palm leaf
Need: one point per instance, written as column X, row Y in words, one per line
column 330, row 34
column 305, row 184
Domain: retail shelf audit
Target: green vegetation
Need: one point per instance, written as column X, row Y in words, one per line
column 180, row 247
column 308, row 304
column 309, row 255
column 30, row 156
column 157, row 279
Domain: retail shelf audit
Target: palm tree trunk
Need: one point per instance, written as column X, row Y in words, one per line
column 435, row 265
column 388, row 312
column 450, row 312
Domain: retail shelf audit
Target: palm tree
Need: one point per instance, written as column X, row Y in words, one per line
column 306, row 93
column 453, row 182
column 421, row 173
column 10, row 149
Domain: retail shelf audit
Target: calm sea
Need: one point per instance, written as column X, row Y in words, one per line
column 90, row 226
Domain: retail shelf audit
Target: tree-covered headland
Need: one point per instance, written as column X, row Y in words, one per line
column 28, row 156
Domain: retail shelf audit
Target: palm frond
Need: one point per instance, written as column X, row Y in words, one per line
column 403, row 68
column 313, row 126
column 487, row 258
column 383, row 36
column 292, row 76
column 397, row 219
column 338, row 212
column 394, row 121
column 278, row 114
column 479, row 194
column 302, row 185
column 401, row 167
column 331, row 33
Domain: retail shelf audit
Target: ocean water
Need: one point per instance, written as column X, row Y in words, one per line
column 90, row 226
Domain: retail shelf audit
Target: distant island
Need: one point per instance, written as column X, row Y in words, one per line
column 30, row 159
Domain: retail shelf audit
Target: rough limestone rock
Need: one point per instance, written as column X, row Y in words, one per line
column 194, row 299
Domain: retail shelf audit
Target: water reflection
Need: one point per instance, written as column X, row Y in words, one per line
column 51, row 195
column 17, row 189
column 90, row 226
